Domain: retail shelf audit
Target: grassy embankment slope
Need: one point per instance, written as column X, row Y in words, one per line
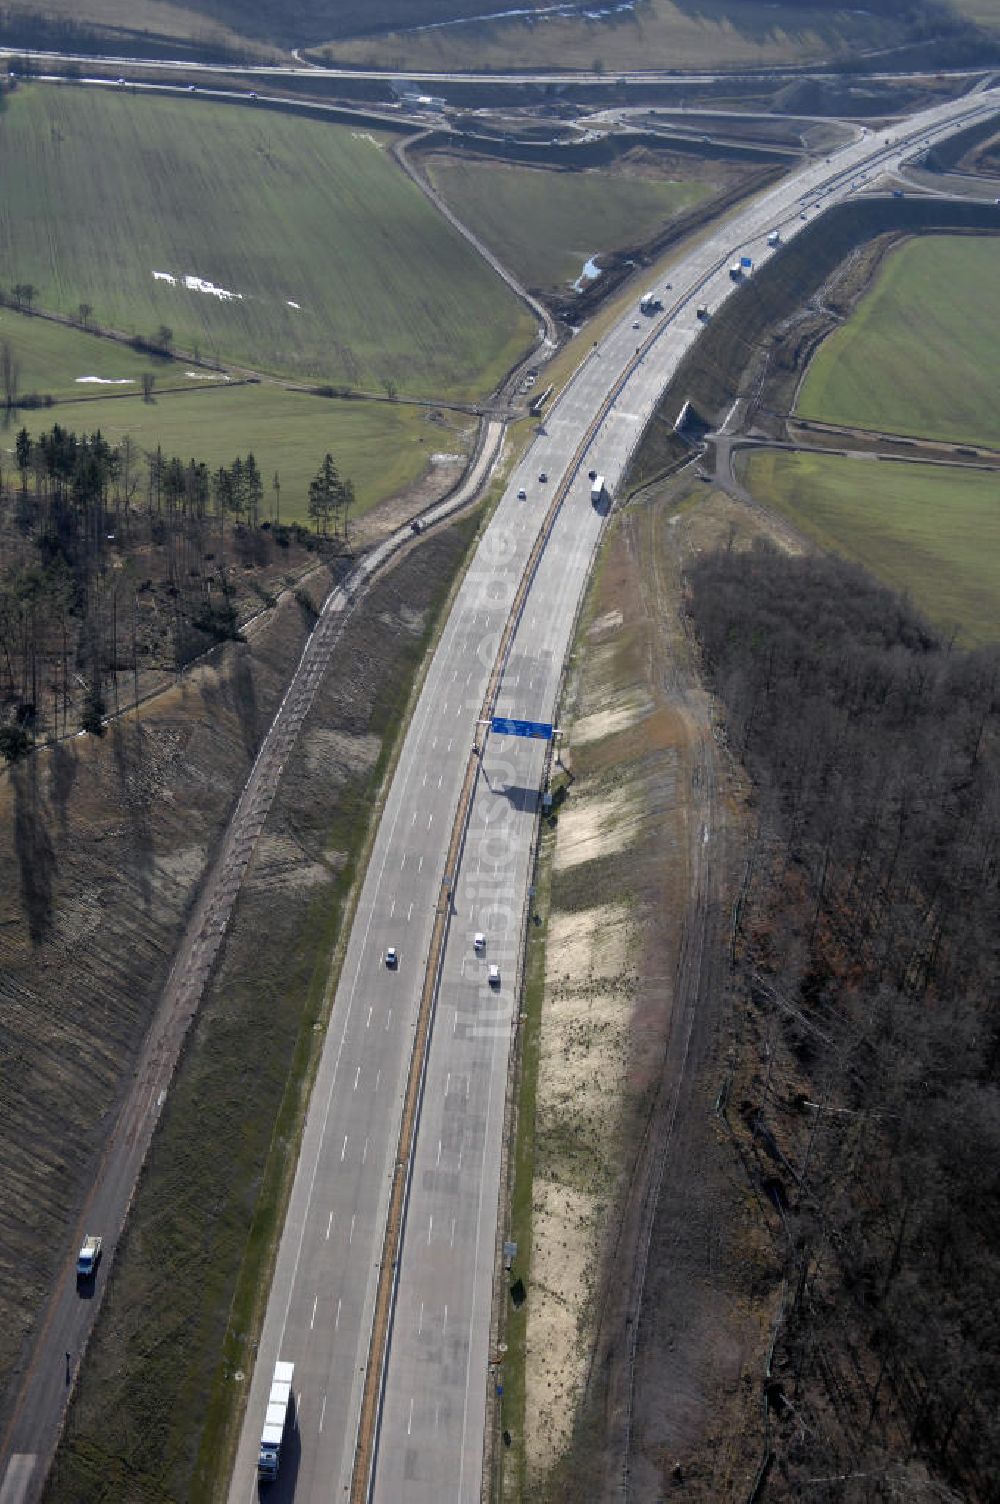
column 930, row 532
column 102, row 190
column 713, row 34
column 545, row 224
column 919, row 355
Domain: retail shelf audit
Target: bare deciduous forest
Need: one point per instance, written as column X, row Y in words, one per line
column 863, row 1094
column 116, row 561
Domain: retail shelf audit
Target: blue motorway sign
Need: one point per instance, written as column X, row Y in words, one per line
column 506, row 727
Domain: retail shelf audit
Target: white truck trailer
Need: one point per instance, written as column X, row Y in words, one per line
column 598, row 489
column 278, row 1405
column 89, row 1256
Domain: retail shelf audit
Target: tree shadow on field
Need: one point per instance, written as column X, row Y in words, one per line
column 36, row 858
column 244, row 693
column 128, row 750
column 63, row 767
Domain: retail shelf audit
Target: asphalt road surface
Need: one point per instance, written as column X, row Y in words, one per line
column 320, row 1311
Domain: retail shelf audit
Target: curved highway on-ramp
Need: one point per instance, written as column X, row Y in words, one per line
column 431, row 1391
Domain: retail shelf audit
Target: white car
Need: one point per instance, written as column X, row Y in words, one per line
column 391, row 957
column 479, row 943
column 494, row 975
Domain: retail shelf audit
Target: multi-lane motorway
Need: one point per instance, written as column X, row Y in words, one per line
column 434, row 1395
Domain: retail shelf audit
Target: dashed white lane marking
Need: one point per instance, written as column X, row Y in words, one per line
column 364, row 1152
column 368, row 1021
column 388, row 1019
column 350, row 1235
column 312, row 1319
column 378, row 1079
column 343, row 1149
column 452, row 1232
column 329, row 1225
column 357, row 1077
column 409, row 1420
column 336, row 1319
column 322, row 1413
column 420, row 1321
column 430, row 1227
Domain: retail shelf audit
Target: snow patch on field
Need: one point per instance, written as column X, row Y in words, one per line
column 106, row 380
column 199, row 284
column 447, row 459
column 292, row 304
column 202, row 284
column 206, row 376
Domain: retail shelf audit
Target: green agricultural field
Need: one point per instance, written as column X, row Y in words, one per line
column 381, row 446
column 338, row 267
column 920, row 354
column 545, row 224
column 661, row 33
column 52, row 359
column 932, row 532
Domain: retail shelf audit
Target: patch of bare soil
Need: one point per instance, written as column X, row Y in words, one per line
column 649, row 1297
